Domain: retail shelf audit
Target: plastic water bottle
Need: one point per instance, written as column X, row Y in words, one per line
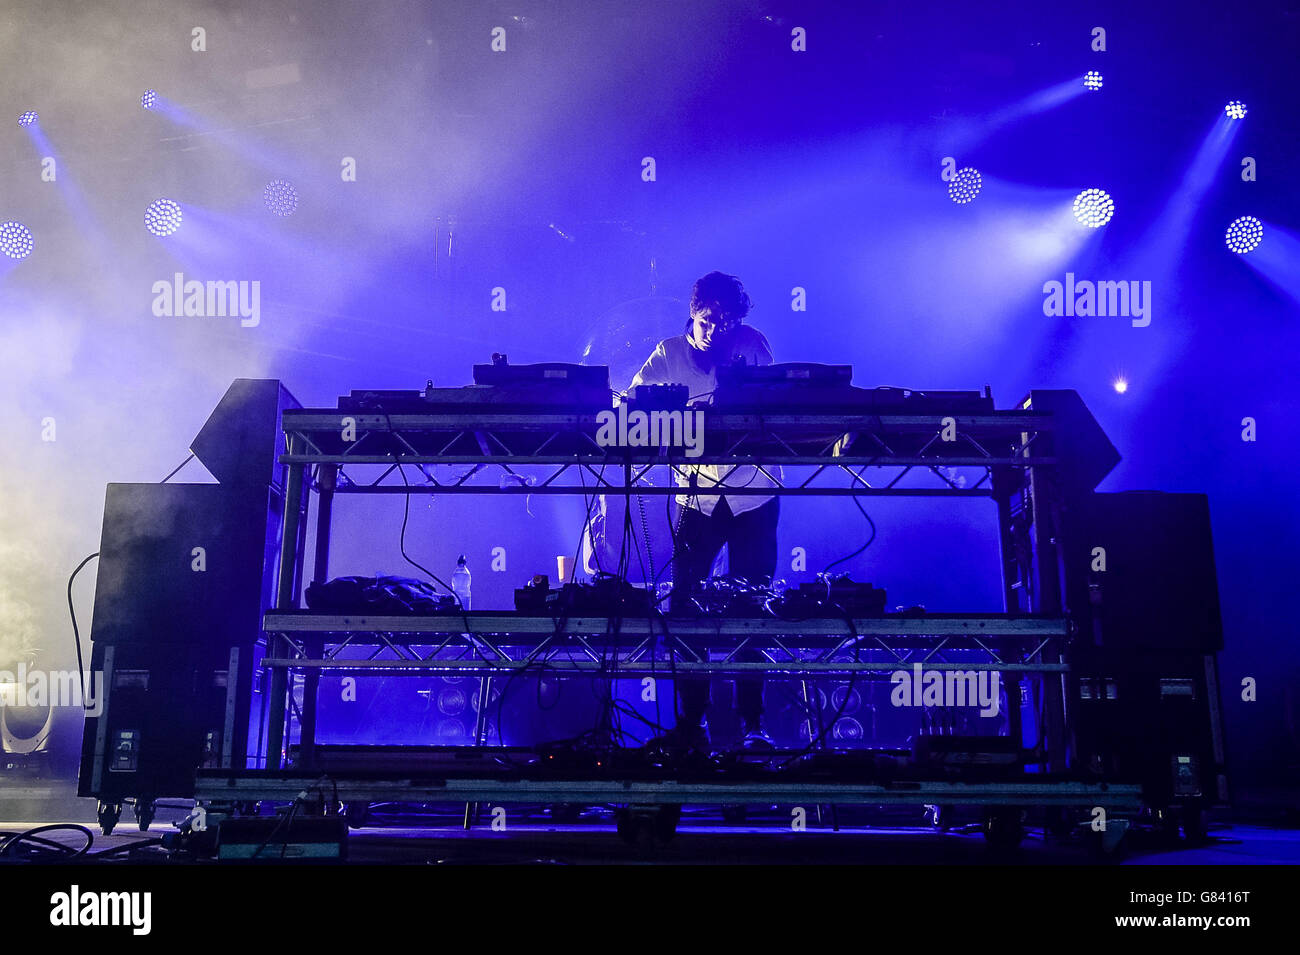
column 460, row 583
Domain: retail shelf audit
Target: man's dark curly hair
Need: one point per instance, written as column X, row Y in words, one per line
column 722, row 290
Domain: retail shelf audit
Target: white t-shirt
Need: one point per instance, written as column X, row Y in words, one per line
column 677, row 362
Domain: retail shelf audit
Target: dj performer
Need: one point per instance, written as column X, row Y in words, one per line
column 716, row 335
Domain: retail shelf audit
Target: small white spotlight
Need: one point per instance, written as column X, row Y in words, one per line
column 1092, row 80
column 1093, row 208
column 1244, row 233
column 1235, row 109
column 965, row 186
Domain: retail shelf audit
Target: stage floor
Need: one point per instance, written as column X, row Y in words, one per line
column 598, row 844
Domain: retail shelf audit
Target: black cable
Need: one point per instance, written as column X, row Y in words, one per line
column 125, row 847
column 870, row 540
column 48, row 846
column 848, row 695
column 285, row 822
column 76, row 634
column 406, row 517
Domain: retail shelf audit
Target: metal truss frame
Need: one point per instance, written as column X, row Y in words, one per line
column 1004, row 455
column 484, row 445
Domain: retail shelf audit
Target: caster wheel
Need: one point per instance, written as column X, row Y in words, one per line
column 144, row 813
column 356, row 814
column 108, row 814
column 1003, row 828
column 940, row 817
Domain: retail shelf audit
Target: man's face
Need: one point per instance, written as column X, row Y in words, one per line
column 711, row 327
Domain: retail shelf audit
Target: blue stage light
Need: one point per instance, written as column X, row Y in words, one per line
column 1244, row 234
column 163, row 217
column 28, row 118
column 15, row 240
column 1121, row 385
column 280, row 197
column 451, row 701
column 149, row 99
column 1093, row 208
column 1235, row 109
column 965, row 185
column 451, row 731
column 1092, row 80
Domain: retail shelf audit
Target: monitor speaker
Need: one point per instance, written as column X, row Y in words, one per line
column 1142, row 574
column 241, row 440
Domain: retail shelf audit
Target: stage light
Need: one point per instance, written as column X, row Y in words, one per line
column 163, row 217
column 1235, row 109
column 1244, row 234
column 15, row 240
column 451, row 701
column 1092, row 80
column 280, row 197
column 965, row 185
column 451, row 730
column 847, row 728
column 149, row 99
column 850, row 700
column 1093, row 208
column 28, row 118
column 1121, row 385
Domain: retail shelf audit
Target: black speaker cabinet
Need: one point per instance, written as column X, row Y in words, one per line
column 1151, row 718
column 166, row 710
column 185, row 573
column 1144, row 697
column 1140, row 571
column 185, row 563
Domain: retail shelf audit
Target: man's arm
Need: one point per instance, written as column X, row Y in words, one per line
column 654, row 371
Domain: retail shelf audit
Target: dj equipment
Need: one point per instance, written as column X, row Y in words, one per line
column 838, row 597
column 660, row 397
column 378, row 595
column 731, row 597
column 608, row 594
column 806, row 386
column 966, row 754
column 547, row 374
column 803, row 374
column 545, row 387
column 185, row 573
